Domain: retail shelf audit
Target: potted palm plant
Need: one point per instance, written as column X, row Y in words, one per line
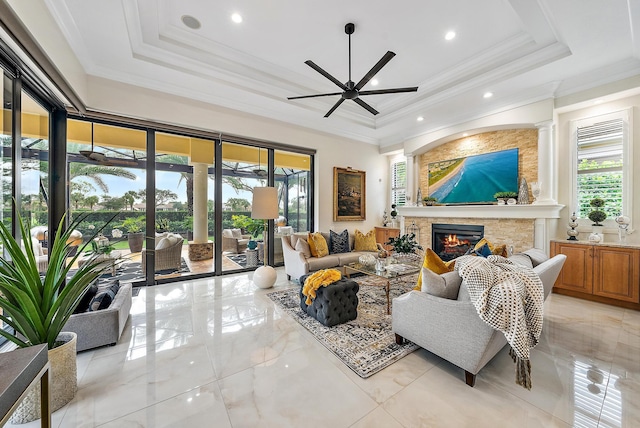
column 37, row 307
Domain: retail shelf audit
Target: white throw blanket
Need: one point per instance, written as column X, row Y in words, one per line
column 508, row 297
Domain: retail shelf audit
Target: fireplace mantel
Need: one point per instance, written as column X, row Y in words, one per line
column 532, row 211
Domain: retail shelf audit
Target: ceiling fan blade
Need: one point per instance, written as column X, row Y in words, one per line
column 335, row 106
column 314, row 96
column 383, row 61
column 366, row 106
column 388, row 91
column 325, row 74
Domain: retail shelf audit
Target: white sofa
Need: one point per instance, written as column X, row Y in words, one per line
column 296, row 264
column 452, row 329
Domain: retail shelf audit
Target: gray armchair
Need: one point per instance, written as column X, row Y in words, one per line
column 452, row 329
column 233, row 241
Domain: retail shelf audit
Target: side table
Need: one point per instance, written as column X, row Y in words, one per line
column 21, row 369
column 252, row 258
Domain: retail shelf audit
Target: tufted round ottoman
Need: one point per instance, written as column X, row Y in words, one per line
column 334, row 304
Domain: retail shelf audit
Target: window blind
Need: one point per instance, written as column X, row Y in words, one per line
column 399, row 183
column 600, row 165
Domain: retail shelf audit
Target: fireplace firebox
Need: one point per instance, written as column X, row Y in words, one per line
column 449, row 241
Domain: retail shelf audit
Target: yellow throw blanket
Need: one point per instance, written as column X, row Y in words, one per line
column 321, row 278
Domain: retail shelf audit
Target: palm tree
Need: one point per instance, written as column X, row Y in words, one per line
column 95, row 173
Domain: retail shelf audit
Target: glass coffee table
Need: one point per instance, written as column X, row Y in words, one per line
column 391, row 271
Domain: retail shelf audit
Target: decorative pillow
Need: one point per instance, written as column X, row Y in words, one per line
column 365, row 242
column 537, row 256
column 500, row 250
column 484, row 251
column 303, row 246
column 445, row 285
column 104, row 297
column 339, row 242
column 236, row 233
column 318, row 245
column 522, row 259
column 227, row 233
column 163, row 243
column 434, row 263
column 83, row 306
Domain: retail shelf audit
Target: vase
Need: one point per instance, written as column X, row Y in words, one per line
column 599, row 230
column 63, row 381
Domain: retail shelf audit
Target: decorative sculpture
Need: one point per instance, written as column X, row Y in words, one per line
column 523, row 193
column 419, row 198
column 572, row 232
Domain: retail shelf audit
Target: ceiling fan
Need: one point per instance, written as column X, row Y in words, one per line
column 102, row 159
column 350, row 90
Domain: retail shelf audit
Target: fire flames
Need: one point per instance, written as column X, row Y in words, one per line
column 453, row 241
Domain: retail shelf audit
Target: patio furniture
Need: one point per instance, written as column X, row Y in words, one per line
column 168, row 252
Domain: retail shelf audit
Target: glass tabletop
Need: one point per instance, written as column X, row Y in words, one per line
column 389, row 271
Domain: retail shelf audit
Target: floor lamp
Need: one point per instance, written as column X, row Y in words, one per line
column 265, row 207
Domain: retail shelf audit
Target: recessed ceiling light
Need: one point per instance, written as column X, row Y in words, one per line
column 420, row 119
column 465, row 135
column 488, row 94
column 597, row 102
column 450, row 35
column 190, row 22
column 237, row 18
column 374, row 82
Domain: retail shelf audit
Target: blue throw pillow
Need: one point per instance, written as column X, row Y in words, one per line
column 105, row 296
column 339, row 242
column 485, row 251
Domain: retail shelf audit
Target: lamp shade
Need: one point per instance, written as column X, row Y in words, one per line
column 265, row 203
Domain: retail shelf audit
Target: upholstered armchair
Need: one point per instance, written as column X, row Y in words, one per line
column 168, row 252
column 233, row 241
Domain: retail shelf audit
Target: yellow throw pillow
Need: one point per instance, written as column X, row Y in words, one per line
column 318, row 245
column 434, row 263
column 365, row 242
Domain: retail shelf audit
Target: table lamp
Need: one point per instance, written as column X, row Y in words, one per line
column 265, row 207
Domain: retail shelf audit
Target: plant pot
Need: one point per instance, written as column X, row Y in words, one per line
column 63, row 382
column 598, row 230
column 252, row 245
column 502, row 201
column 135, row 241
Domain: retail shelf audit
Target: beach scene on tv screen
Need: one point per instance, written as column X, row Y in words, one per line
column 474, row 179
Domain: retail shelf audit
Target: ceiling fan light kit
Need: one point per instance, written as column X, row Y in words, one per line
column 351, row 90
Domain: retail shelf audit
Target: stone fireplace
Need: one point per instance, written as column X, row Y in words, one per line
column 520, row 227
column 450, row 241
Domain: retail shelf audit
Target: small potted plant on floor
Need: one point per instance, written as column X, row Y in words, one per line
column 37, row 307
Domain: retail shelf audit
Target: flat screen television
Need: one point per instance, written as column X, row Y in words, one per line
column 474, row 179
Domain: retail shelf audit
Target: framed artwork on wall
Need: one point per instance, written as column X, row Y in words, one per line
column 349, row 194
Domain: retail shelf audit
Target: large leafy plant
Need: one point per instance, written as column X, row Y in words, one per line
column 254, row 227
column 404, row 244
column 37, row 307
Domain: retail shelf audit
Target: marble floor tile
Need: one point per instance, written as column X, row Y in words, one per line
column 440, row 397
column 300, row 388
column 200, row 407
column 218, row 352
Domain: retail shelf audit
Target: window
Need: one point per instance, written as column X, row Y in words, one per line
column 399, row 182
column 602, row 163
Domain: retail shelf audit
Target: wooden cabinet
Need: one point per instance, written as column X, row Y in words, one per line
column 384, row 233
column 600, row 272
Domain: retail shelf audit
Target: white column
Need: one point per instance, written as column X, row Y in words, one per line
column 200, row 227
column 546, row 163
column 411, row 189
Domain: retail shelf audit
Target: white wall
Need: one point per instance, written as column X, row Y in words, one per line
column 132, row 101
column 565, row 146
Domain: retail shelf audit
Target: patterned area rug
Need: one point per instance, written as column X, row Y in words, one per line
column 367, row 344
column 131, row 272
column 240, row 259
